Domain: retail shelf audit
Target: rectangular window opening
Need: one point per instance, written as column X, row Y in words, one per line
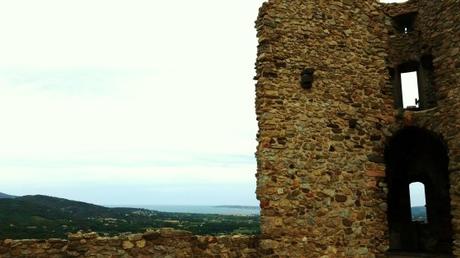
column 409, row 90
column 404, row 23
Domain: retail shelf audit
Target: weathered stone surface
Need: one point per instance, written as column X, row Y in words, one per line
column 140, row 243
column 171, row 244
column 127, row 245
column 325, row 181
column 334, row 127
column 151, row 235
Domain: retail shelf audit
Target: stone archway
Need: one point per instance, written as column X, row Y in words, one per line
column 418, row 155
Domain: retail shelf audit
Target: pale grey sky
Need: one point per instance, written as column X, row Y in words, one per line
column 409, row 89
column 417, row 194
column 129, row 101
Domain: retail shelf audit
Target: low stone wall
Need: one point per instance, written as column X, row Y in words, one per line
column 160, row 243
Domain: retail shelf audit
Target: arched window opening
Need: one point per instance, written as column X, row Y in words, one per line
column 418, row 202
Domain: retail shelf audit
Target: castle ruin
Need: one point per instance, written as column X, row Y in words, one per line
column 337, row 149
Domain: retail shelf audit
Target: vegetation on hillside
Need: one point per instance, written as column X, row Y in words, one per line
column 41, row 216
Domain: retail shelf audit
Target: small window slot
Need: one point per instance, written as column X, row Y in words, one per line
column 404, row 23
column 418, row 202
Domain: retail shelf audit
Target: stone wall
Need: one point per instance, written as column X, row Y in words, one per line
column 320, row 176
column 321, row 171
column 437, row 33
column 160, row 243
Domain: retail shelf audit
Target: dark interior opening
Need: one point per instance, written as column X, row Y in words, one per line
column 391, row 72
column 410, row 66
column 418, row 155
column 427, row 93
column 404, row 23
column 427, row 61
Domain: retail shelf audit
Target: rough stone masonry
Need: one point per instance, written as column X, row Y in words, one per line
column 335, row 159
column 336, row 149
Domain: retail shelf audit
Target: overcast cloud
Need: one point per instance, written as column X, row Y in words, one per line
column 129, row 101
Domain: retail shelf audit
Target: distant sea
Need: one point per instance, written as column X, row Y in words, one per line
column 201, row 209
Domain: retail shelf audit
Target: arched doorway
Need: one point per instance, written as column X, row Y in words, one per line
column 416, row 155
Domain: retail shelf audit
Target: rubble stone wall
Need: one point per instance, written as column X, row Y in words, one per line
column 160, row 243
column 320, row 153
column 321, row 172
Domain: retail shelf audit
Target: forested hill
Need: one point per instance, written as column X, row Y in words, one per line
column 6, row 196
column 38, row 216
column 53, row 207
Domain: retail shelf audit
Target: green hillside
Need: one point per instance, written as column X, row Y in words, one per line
column 41, row 216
